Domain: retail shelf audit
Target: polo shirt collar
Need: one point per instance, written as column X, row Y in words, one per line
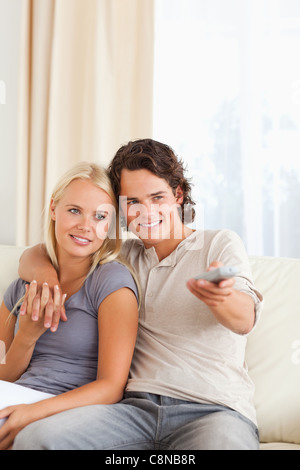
column 170, row 260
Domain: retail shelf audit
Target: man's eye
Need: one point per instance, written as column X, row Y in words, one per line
column 130, row 203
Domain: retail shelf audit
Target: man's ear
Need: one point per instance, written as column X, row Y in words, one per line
column 179, row 195
column 52, row 210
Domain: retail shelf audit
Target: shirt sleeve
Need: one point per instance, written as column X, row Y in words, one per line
column 229, row 249
column 108, row 279
column 13, row 294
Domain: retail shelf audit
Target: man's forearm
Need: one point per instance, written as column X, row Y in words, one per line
column 35, row 264
column 237, row 312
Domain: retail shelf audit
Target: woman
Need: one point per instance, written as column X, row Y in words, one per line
column 87, row 360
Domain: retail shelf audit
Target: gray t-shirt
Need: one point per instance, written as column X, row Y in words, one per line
column 68, row 358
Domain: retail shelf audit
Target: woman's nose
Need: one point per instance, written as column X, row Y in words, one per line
column 85, row 225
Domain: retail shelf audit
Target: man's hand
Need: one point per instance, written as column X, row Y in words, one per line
column 50, row 301
column 233, row 309
column 209, row 292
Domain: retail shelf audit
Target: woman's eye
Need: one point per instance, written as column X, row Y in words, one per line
column 74, row 211
column 100, row 216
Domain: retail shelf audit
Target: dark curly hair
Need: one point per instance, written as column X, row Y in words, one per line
column 159, row 159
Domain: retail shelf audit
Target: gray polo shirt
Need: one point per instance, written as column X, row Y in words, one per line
column 68, row 358
column 182, row 351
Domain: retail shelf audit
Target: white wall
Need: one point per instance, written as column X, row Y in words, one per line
column 9, row 56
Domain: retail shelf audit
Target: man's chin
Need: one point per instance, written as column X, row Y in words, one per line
column 151, row 235
column 149, row 239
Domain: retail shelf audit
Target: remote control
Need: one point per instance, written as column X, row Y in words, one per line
column 219, row 274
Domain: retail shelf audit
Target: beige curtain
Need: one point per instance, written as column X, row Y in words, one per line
column 86, row 76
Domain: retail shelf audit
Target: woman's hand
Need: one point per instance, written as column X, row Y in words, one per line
column 17, row 417
column 44, row 303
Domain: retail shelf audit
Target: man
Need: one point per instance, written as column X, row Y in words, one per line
column 188, row 387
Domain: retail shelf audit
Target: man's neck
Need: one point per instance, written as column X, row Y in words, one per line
column 165, row 247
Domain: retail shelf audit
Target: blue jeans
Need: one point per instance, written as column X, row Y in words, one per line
column 142, row 421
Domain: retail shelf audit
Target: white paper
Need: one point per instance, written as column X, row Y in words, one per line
column 14, row 394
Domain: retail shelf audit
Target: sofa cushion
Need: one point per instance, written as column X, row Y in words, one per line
column 273, row 351
column 279, row 446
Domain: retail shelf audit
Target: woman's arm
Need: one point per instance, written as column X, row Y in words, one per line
column 7, row 327
column 18, row 348
column 118, row 323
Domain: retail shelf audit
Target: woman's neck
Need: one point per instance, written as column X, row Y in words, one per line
column 72, row 272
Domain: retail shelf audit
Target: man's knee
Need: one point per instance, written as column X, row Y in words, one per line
column 229, row 431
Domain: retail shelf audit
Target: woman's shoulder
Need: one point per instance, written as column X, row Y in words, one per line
column 113, row 274
column 108, row 278
column 112, row 268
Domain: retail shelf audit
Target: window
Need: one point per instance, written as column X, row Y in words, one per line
column 227, row 99
column 10, row 14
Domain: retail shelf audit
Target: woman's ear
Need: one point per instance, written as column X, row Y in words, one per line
column 52, row 210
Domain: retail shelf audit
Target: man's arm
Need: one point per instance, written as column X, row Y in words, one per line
column 35, row 265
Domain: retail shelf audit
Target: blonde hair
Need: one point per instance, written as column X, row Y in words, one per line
column 111, row 247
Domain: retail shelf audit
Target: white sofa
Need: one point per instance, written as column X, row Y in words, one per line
column 273, row 352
